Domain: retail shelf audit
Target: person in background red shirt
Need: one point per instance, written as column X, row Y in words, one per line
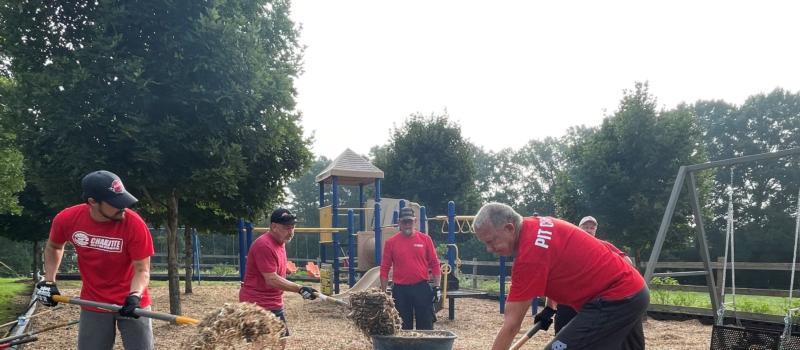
column 411, row 254
column 557, row 259
column 265, row 272
column 114, row 247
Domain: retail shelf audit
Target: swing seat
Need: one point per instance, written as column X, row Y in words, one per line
column 741, row 338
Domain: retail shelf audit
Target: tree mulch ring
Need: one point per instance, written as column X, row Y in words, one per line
column 237, row 325
column 374, row 313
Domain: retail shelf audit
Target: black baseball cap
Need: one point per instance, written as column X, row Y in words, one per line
column 105, row 186
column 407, row 213
column 283, row 216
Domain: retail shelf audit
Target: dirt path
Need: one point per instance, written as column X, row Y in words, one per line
column 318, row 325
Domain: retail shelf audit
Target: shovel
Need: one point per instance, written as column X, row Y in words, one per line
column 527, row 336
column 174, row 319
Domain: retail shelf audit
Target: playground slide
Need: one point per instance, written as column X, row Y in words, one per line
column 370, row 279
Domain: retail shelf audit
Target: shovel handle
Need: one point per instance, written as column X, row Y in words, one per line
column 176, row 319
column 536, row 327
column 324, row 297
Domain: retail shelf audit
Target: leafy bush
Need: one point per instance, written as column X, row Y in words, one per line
column 664, row 281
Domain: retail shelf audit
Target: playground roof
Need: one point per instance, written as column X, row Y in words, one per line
column 350, row 169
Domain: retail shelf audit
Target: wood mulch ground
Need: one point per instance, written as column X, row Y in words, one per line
column 320, row 325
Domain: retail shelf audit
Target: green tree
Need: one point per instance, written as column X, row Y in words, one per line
column 429, row 162
column 12, row 180
column 623, row 173
column 31, row 224
column 185, row 100
column 764, row 193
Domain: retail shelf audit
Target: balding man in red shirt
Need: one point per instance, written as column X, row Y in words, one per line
column 557, row 259
column 411, row 255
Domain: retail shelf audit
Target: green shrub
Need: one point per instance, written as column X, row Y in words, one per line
column 664, row 281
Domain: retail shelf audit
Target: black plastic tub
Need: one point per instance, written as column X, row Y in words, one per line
column 429, row 340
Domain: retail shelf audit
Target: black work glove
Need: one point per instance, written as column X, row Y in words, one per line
column 437, row 295
column 131, row 304
column 45, row 291
column 544, row 318
column 308, row 293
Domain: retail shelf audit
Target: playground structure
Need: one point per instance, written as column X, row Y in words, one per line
column 725, row 336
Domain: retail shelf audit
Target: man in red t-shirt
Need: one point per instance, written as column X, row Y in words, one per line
column 560, row 261
column 265, row 272
column 114, row 247
column 411, row 254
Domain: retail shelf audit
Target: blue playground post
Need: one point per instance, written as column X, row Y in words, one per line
column 377, row 191
column 335, row 237
column 249, row 228
column 377, row 232
column 351, row 247
column 362, row 214
column 242, row 253
column 402, row 203
column 502, row 284
column 423, row 220
column 395, row 217
column 196, row 251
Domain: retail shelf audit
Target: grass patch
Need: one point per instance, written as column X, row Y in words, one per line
column 9, row 305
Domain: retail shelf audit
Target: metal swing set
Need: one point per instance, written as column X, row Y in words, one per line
column 728, row 337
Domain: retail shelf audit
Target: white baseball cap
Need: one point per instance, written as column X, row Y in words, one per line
column 587, row 219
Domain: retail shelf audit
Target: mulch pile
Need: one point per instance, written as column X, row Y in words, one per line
column 373, row 312
column 237, row 325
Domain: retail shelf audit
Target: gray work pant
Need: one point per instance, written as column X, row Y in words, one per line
column 97, row 331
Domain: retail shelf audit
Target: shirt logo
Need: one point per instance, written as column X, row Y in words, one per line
column 418, row 245
column 558, row 345
column 85, row 240
column 542, row 238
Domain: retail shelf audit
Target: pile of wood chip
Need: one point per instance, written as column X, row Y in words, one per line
column 373, row 312
column 237, row 326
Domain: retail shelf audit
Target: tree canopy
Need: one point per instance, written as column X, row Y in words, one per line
column 184, row 100
column 428, row 161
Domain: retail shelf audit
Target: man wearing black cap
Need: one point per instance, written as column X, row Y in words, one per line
column 411, row 254
column 265, row 273
column 114, row 247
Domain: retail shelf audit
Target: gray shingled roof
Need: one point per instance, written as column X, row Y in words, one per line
column 350, row 169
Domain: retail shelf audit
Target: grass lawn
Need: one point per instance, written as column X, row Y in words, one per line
column 747, row 303
column 9, row 306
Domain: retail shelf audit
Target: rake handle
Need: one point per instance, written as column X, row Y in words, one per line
column 176, row 319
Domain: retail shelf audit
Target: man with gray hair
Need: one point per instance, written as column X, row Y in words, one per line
column 557, row 259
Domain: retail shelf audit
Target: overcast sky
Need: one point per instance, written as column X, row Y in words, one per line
column 511, row 71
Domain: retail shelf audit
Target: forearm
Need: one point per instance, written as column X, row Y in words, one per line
column 551, row 303
column 437, row 280
column 140, row 281
column 384, row 284
column 281, row 283
column 141, row 276
column 52, row 260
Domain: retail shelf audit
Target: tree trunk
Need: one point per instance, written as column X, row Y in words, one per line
column 188, row 257
column 172, row 255
column 37, row 260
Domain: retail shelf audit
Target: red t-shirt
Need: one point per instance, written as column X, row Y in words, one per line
column 106, row 251
column 558, row 260
column 411, row 257
column 266, row 255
